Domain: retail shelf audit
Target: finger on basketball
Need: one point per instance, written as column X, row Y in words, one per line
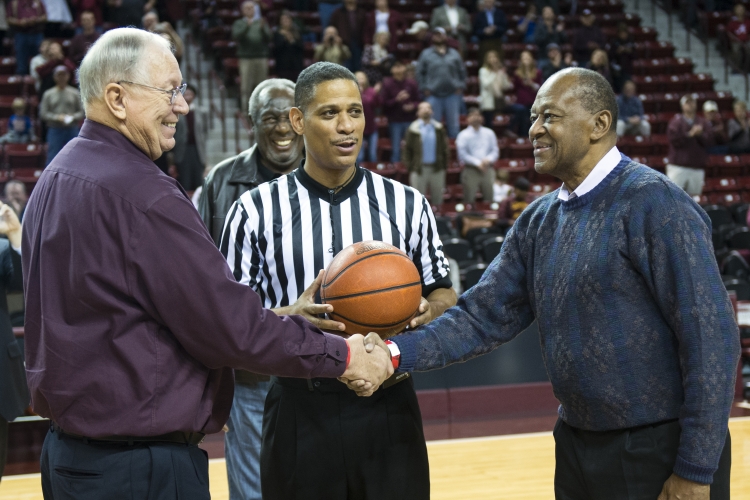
column 329, row 325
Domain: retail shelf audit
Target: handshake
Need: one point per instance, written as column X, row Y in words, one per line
column 369, row 364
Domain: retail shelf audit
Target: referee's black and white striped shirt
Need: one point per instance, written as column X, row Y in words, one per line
column 279, row 235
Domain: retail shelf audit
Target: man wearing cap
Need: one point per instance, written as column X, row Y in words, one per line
column 587, row 38
column 718, row 129
column 441, row 75
column 689, row 135
column 554, row 61
column 61, row 111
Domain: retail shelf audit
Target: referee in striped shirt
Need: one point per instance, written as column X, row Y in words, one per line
column 320, row 440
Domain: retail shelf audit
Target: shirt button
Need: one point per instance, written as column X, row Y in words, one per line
column 316, row 384
column 338, row 354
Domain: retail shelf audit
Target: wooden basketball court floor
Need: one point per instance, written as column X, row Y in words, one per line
column 510, row 467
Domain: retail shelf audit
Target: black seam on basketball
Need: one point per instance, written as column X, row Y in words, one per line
column 326, row 285
column 366, row 325
column 373, row 292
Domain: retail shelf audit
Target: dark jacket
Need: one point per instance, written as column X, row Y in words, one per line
column 225, row 184
column 350, row 34
column 412, row 152
column 14, row 393
column 480, row 23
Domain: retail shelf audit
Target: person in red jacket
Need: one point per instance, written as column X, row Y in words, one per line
column 739, row 27
column 689, row 135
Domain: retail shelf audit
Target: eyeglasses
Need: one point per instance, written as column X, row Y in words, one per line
column 177, row 90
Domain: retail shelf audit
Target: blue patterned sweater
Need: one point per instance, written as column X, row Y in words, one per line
column 636, row 326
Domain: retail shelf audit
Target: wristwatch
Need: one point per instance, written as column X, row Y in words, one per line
column 395, row 353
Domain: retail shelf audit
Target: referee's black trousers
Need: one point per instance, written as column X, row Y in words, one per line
column 75, row 470
column 323, row 442
column 628, row 464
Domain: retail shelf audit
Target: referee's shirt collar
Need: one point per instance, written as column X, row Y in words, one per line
column 317, row 189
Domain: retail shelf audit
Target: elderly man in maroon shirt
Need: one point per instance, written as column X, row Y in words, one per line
column 133, row 318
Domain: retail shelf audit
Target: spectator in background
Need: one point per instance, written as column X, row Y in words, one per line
column 123, row 13
column 58, row 15
column 26, row 18
column 494, row 82
column 80, row 43
column 501, row 189
column 622, row 53
column 738, row 130
column 332, row 49
column 55, row 58
column 350, row 21
column 549, row 31
column 478, row 152
column 526, row 81
column 253, row 37
column 718, row 129
column 454, row 20
column 288, row 49
column 16, row 197
column 61, row 111
column 370, row 102
column 426, row 154
column 587, row 38
column 325, row 9
column 400, row 98
column 189, row 152
column 441, row 74
column 527, row 24
column 151, row 23
column 38, row 60
column 512, row 206
column 376, row 60
column 81, row 6
column 490, row 25
column 739, row 26
column 20, row 126
column 554, row 61
column 600, row 63
column 383, row 19
column 689, row 136
column 631, row 119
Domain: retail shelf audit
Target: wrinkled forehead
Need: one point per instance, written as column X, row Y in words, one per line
column 276, row 100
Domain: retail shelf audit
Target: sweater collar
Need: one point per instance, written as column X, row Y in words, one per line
column 323, row 192
column 587, row 197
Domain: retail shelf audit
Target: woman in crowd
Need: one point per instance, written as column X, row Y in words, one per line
column 494, row 82
column 600, row 63
column 376, row 60
column 383, row 19
column 288, row 49
column 526, row 81
column 370, row 102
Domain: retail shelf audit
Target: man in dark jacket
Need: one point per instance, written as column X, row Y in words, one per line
column 587, row 38
column 350, row 20
column 14, row 393
column 490, row 25
column 278, row 150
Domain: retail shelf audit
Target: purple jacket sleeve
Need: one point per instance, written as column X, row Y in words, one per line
column 215, row 319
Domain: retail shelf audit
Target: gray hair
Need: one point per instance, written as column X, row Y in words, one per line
column 253, row 106
column 117, row 55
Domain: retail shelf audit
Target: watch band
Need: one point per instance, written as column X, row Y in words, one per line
column 395, row 353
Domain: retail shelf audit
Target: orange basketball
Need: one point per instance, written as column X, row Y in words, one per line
column 373, row 287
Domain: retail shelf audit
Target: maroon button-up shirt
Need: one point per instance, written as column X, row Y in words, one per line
column 132, row 314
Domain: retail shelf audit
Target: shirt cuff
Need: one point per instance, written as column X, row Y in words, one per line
column 408, row 350
column 692, row 472
column 336, row 353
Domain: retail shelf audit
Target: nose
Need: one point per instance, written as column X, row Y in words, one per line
column 283, row 125
column 180, row 105
column 536, row 129
column 345, row 124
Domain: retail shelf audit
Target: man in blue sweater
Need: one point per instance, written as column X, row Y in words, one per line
column 637, row 331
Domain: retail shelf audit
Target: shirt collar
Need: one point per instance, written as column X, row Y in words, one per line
column 602, row 169
column 320, row 191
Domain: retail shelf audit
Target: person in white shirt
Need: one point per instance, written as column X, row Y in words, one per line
column 478, row 152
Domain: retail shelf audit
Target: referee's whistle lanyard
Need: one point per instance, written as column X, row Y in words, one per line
column 331, row 200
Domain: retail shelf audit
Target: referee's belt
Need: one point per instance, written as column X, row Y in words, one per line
column 178, row 437
column 332, row 384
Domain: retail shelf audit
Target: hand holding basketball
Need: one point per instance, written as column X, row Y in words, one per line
column 424, row 315
column 306, row 307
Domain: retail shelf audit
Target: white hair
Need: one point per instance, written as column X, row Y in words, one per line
column 119, row 54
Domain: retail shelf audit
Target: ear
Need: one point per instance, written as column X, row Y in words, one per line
column 297, row 119
column 602, row 125
column 114, row 97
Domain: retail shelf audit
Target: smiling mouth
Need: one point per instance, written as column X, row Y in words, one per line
column 169, row 124
column 283, row 144
column 541, row 148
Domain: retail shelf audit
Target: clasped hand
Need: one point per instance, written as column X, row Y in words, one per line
column 369, row 364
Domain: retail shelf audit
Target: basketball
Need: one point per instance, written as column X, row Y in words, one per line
column 373, row 287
